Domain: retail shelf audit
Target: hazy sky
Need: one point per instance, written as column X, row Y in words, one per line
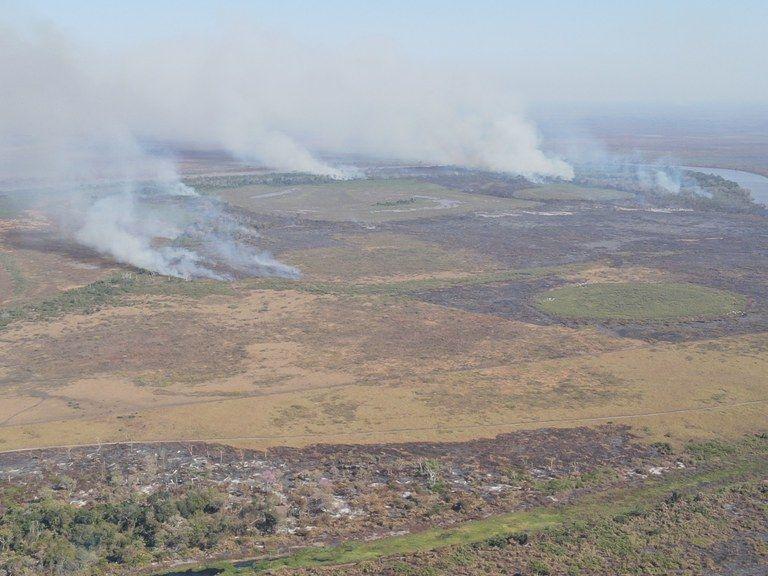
column 299, row 86
column 652, row 51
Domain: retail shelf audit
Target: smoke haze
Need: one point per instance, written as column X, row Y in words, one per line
column 74, row 120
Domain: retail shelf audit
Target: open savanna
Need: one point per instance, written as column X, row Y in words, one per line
column 28, row 274
column 381, row 257
column 298, row 365
column 550, row 192
column 366, row 200
column 415, row 319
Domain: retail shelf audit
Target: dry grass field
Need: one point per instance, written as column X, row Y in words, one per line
column 265, row 367
column 454, row 372
column 375, row 343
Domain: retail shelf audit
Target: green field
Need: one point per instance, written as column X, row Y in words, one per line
column 397, row 199
column 9, row 264
column 571, row 192
column 366, row 200
column 103, row 293
column 639, row 301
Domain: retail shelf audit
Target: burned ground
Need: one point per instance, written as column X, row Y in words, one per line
column 283, row 233
column 480, row 183
column 547, row 453
column 505, row 299
column 325, row 493
column 716, row 250
column 52, row 241
column 520, row 240
column 593, row 233
column 522, row 499
column 411, row 338
column 716, row 532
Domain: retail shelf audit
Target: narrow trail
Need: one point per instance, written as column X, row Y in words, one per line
column 6, row 422
column 513, row 424
column 212, row 399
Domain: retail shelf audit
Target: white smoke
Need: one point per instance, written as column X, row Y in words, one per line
column 63, row 138
column 142, row 227
column 670, row 183
column 280, row 102
column 112, row 224
column 72, row 123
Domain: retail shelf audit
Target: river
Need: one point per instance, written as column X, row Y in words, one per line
column 755, row 183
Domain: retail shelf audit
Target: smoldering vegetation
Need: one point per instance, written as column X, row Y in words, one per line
column 663, row 181
column 162, row 227
column 90, row 139
column 176, row 232
column 79, row 133
column 66, row 152
column 182, row 500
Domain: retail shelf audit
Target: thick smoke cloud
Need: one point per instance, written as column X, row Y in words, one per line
column 72, row 124
column 279, row 102
column 65, row 143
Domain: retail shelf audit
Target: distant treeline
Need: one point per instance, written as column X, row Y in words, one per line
column 239, row 180
column 689, row 189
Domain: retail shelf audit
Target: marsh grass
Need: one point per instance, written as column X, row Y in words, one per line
column 638, row 301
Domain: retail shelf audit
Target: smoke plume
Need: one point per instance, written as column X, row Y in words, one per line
column 74, row 123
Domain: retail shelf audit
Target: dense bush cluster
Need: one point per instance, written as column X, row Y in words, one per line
column 697, row 190
column 222, row 181
column 715, row 192
column 53, row 537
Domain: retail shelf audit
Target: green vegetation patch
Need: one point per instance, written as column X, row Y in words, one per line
column 109, row 292
column 57, row 538
column 377, row 200
column 639, row 301
column 17, row 277
column 404, row 287
column 572, row 192
column 469, row 532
